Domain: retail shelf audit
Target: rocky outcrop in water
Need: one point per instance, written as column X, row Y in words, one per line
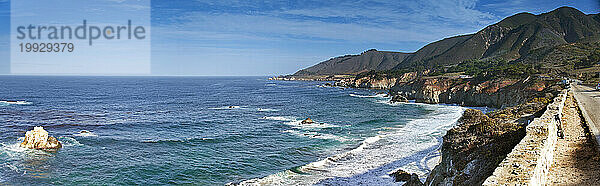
column 38, row 139
column 400, row 175
column 307, row 121
column 398, row 99
column 413, row 181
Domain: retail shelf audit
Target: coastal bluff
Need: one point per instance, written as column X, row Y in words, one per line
column 530, row 161
column 473, row 149
column 38, row 138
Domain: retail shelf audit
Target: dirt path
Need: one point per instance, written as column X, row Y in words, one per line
column 576, row 158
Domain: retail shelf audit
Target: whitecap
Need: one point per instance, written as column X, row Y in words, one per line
column 69, row 141
column 297, row 123
column 226, row 108
column 16, row 147
column 416, row 143
column 316, row 135
column 11, row 167
column 388, row 102
column 15, row 103
column 85, row 134
column 279, row 118
column 369, row 96
column 267, row 110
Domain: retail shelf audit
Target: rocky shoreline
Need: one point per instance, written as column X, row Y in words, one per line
column 473, row 149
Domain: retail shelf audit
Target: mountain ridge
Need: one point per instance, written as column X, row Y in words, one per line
column 512, row 38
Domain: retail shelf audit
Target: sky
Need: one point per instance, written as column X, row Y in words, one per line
column 248, row 37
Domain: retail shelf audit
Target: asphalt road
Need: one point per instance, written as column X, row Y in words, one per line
column 589, row 100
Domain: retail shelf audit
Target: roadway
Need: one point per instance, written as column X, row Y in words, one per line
column 589, row 103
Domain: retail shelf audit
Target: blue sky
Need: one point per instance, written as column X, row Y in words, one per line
column 247, row 37
column 106, row 56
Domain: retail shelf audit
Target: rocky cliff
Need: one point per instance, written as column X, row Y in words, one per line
column 472, row 150
column 378, row 81
column 496, row 93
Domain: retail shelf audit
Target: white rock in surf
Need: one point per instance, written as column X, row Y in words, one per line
column 38, row 139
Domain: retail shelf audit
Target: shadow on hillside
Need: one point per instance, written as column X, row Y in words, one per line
column 587, row 158
column 587, row 161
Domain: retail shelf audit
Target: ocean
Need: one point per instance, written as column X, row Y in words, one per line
column 213, row 131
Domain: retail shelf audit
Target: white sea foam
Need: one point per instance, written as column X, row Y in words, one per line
column 267, row 110
column 369, row 96
column 279, row 118
column 297, row 123
column 11, row 167
column 69, row 141
column 16, row 102
column 413, row 147
column 15, row 147
column 85, row 134
column 316, row 135
column 388, row 102
column 226, row 108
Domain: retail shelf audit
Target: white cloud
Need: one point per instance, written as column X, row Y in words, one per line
column 371, row 21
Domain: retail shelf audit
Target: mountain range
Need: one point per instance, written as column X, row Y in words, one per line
column 514, row 38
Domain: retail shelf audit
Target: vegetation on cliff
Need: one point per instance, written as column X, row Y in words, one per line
column 561, row 42
column 473, row 149
column 513, row 65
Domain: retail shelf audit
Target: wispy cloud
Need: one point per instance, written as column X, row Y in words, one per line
column 266, row 30
column 362, row 21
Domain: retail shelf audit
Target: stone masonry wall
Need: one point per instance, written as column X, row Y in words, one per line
column 529, row 162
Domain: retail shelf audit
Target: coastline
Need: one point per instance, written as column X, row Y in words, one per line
column 530, row 94
column 370, row 161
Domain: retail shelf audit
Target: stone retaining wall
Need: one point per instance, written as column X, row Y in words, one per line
column 529, row 162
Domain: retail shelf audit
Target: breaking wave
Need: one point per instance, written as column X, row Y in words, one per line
column 414, row 147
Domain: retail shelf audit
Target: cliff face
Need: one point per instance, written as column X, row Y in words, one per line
column 373, row 82
column 367, row 82
column 472, row 150
column 468, row 159
column 493, row 93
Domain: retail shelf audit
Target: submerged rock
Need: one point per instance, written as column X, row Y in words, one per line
column 38, row 139
column 413, row 181
column 307, row 121
column 400, row 175
column 398, row 98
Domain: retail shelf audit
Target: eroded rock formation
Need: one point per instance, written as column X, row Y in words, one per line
column 496, row 93
column 473, row 149
column 38, row 139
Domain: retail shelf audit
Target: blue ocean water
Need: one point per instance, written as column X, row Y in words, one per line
column 212, row 131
